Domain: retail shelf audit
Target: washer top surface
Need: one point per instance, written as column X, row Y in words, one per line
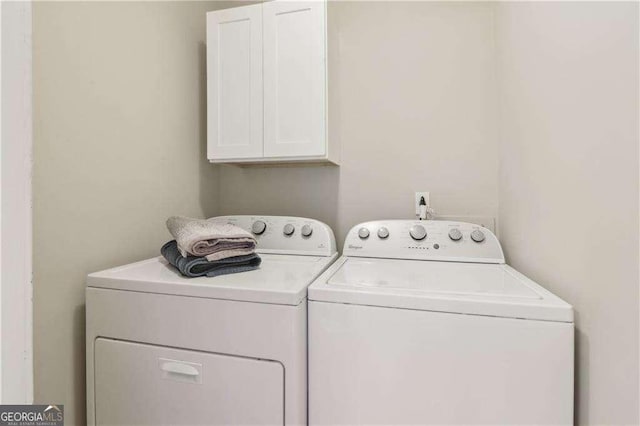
column 447, row 278
column 472, row 279
column 282, row 278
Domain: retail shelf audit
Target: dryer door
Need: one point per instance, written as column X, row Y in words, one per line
column 139, row 384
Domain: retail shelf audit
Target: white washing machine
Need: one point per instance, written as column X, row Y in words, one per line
column 231, row 350
column 424, row 323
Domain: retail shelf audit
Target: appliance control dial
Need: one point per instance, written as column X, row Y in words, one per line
column 418, row 232
column 383, row 233
column 306, row 231
column 477, row 235
column 363, row 233
column 288, row 229
column 258, row 227
column 455, row 234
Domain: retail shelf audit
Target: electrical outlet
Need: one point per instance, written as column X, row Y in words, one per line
column 417, row 201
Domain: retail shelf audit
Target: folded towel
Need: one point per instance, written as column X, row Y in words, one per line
column 192, row 266
column 211, row 238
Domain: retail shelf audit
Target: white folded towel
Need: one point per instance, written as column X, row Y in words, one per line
column 212, row 239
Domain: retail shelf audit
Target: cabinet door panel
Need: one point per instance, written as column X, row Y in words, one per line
column 234, row 83
column 294, row 79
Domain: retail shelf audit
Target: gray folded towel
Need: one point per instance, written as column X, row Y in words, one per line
column 210, row 238
column 192, row 266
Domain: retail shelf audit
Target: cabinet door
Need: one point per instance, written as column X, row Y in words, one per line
column 140, row 384
column 234, row 83
column 294, row 78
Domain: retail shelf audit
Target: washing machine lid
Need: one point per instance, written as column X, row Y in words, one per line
column 467, row 288
column 281, row 279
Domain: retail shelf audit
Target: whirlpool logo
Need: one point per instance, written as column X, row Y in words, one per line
column 31, row 415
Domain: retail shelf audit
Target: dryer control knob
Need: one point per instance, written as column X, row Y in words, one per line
column 455, row 234
column 418, row 232
column 363, row 233
column 306, row 231
column 288, row 229
column 477, row 235
column 383, row 233
column 258, row 227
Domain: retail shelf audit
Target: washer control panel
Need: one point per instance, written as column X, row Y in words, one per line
column 424, row 240
column 286, row 235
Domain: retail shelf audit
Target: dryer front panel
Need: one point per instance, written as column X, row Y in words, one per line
column 139, row 384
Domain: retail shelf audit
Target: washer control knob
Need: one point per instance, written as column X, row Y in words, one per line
column 363, row 233
column 455, row 234
column 288, row 229
column 477, row 235
column 383, row 233
column 418, row 232
column 258, row 227
column 306, row 231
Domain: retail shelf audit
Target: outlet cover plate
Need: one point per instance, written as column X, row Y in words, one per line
column 417, row 201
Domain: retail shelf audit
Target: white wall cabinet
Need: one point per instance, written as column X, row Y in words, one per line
column 267, row 84
column 234, row 83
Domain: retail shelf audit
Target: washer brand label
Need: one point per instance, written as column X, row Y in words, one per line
column 351, row 246
column 32, row 415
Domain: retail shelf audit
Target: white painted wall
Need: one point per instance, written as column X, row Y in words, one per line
column 120, row 145
column 570, row 118
column 415, row 111
column 418, row 110
column 0, row 206
column 15, row 277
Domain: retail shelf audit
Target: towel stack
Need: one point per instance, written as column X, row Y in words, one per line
column 209, row 247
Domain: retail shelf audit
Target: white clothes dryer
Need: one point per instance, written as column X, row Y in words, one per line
column 422, row 322
column 163, row 349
